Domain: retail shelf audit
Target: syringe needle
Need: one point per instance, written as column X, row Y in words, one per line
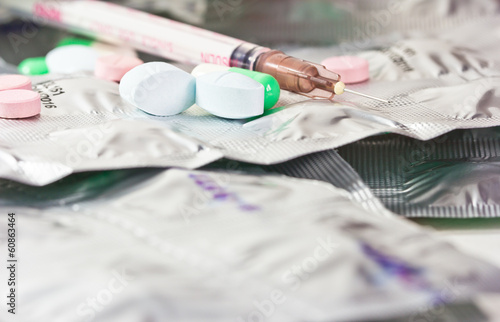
column 339, row 88
column 365, row 95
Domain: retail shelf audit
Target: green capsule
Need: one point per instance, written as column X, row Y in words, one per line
column 271, row 86
column 33, row 66
column 74, row 41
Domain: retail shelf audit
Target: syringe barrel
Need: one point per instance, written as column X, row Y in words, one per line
column 246, row 54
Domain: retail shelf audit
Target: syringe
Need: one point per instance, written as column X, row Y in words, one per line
column 181, row 42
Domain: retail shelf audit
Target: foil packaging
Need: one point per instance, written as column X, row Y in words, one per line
column 330, row 167
column 455, row 175
column 434, row 84
column 452, row 175
column 85, row 125
column 227, row 246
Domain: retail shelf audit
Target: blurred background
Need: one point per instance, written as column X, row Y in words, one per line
column 287, row 23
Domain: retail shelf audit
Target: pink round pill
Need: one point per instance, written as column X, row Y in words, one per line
column 14, row 82
column 19, row 103
column 352, row 69
column 113, row 67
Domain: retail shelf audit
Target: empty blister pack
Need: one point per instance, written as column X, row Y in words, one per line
column 226, row 244
column 329, row 166
column 85, row 125
column 456, row 180
column 455, row 175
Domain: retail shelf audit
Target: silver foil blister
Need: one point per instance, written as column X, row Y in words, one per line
column 85, row 125
column 238, row 247
column 456, row 175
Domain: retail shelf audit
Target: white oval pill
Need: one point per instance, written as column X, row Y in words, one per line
column 71, row 59
column 230, row 95
column 158, row 88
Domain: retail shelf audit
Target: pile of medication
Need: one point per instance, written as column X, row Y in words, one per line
column 162, row 89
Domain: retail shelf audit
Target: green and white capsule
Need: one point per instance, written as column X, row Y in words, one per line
column 271, row 86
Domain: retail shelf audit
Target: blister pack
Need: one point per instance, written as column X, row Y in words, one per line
column 85, row 125
column 455, row 175
column 329, row 166
column 226, row 244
